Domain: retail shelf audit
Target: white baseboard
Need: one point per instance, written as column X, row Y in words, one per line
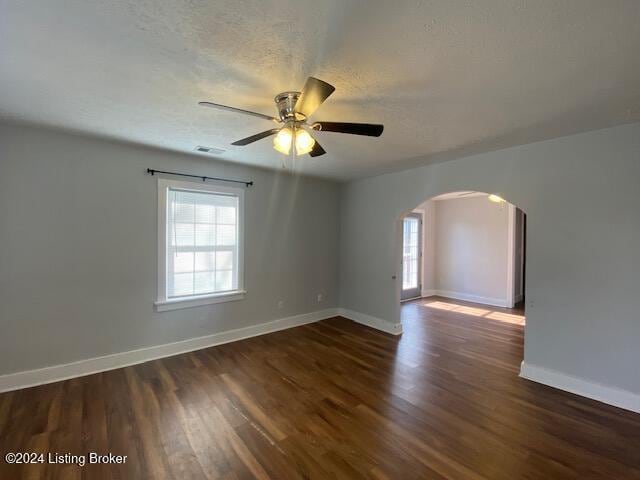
column 496, row 302
column 369, row 321
column 30, row 378
column 596, row 391
column 429, row 293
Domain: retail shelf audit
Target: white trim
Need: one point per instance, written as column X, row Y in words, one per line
column 429, row 293
column 521, row 255
column 187, row 302
column 585, row 388
column 369, row 321
column 162, row 302
column 423, row 226
column 511, row 253
column 459, row 195
column 30, row 378
column 496, row 302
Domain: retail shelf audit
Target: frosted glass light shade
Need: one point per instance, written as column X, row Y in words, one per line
column 304, row 142
column 282, row 141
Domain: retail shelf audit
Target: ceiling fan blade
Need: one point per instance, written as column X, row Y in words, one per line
column 313, row 94
column 369, row 129
column 256, row 137
column 238, row 110
column 317, row 150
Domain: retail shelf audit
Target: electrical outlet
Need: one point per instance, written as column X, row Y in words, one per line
column 320, row 298
column 280, row 304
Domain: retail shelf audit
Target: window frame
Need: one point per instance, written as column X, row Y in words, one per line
column 163, row 302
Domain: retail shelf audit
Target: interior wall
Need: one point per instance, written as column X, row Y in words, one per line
column 471, row 250
column 78, row 248
column 581, row 195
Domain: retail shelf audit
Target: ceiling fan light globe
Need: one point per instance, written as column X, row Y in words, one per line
column 282, row 141
column 304, row 142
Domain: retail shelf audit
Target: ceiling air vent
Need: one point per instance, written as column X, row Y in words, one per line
column 209, row 150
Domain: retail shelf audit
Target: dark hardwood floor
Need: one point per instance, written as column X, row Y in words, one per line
column 330, row 400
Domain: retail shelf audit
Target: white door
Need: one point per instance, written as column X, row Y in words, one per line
column 411, row 256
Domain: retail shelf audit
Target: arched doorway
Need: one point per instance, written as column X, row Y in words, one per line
column 462, row 262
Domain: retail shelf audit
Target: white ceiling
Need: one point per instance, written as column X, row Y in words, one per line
column 445, row 77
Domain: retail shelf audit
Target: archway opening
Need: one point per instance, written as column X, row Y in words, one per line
column 462, row 269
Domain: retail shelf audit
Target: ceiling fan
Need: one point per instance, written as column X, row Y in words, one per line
column 294, row 110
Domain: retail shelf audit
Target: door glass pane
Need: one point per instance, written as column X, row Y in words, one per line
column 410, row 249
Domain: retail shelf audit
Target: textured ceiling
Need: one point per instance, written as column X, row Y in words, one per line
column 446, row 77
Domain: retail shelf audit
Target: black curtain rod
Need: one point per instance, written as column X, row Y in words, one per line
column 201, row 177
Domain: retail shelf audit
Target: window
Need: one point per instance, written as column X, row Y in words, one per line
column 199, row 244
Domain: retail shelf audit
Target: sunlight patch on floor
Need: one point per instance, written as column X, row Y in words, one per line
column 478, row 312
column 507, row 317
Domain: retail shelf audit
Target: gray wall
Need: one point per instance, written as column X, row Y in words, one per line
column 471, row 248
column 581, row 195
column 78, row 242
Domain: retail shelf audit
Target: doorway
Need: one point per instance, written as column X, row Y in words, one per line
column 411, row 256
column 463, row 259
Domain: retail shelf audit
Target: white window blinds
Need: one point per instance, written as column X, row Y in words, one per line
column 202, row 243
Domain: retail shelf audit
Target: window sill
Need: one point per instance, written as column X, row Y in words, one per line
column 175, row 304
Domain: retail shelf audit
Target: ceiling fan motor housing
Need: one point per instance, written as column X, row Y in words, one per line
column 285, row 103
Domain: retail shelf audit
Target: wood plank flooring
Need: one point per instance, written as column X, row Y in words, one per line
column 330, row 400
